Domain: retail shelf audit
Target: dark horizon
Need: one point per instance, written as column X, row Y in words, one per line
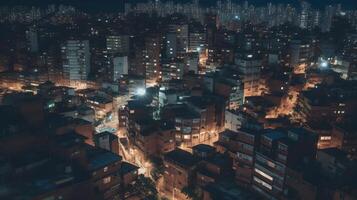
column 115, row 4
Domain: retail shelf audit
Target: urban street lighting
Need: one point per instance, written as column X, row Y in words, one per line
column 324, row 64
column 141, row 91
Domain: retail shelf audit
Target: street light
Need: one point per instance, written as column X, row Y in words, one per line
column 324, row 64
column 141, row 91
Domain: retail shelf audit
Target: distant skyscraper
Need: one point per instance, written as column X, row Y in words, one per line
column 118, row 44
column 300, row 52
column 152, row 57
column 315, row 19
column 327, row 20
column 250, row 65
column 172, row 70
column 181, row 32
column 120, row 67
column 171, row 45
column 32, row 40
column 304, row 15
column 197, row 42
column 76, row 59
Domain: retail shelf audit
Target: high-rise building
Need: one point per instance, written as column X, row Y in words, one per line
column 277, row 152
column 181, row 32
column 32, row 40
column 76, row 59
column 118, row 44
column 250, row 66
column 197, row 42
column 172, row 69
column 151, row 58
column 120, row 67
column 171, row 45
column 304, row 15
column 192, row 61
column 300, row 53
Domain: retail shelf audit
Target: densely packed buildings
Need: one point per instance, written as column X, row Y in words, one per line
column 167, row 100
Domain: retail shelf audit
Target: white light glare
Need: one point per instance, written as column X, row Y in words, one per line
column 324, row 64
column 141, row 91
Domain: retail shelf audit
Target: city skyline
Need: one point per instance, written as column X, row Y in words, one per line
column 120, row 3
column 178, row 101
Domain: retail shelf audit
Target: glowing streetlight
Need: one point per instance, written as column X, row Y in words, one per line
column 324, row 64
column 141, row 91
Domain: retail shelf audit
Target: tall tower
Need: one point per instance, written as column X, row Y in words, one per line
column 118, row 44
column 76, row 59
column 181, row 33
column 32, row 40
column 304, row 15
column 120, row 67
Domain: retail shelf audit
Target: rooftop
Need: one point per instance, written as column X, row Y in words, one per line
column 202, row 102
column 69, row 139
column 41, row 178
column 273, row 134
column 100, row 99
column 127, row 168
column 182, row 111
column 183, row 158
column 99, row 158
column 229, row 191
column 204, row 148
column 335, row 152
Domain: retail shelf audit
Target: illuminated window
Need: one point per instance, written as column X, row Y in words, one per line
column 263, row 183
column 105, row 169
column 186, row 137
column 271, row 164
column 106, row 180
column 263, row 174
column 325, row 138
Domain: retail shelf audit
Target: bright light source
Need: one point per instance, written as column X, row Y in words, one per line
column 324, row 64
column 141, row 91
column 198, row 49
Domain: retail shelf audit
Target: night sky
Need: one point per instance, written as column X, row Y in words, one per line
column 115, row 4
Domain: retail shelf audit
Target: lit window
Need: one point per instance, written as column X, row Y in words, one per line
column 263, row 174
column 271, row 164
column 325, row 137
column 187, row 137
column 263, row 183
column 105, row 169
column 106, row 180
